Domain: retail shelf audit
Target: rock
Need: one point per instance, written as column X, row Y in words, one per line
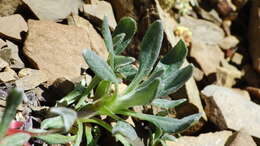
column 203, row 53
column 203, row 31
column 209, row 139
column 254, row 33
column 242, row 138
column 227, row 74
column 198, row 74
column 237, row 58
column 241, row 92
column 229, row 110
column 124, row 8
column 11, row 55
column 57, row 49
column 228, row 42
column 54, row 10
column 12, row 26
column 8, row 7
column 3, row 64
column 30, row 78
column 62, row 87
column 2, row 43
column 8, row 75
column 96, row 12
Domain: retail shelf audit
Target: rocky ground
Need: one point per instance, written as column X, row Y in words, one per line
column 41, row 44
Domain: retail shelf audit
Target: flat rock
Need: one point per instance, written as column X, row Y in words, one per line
column 208, row 139
column 8, row 7
column 3, row 63
column 242, row 138
column 12, row 26
column 229, row 110
column 2, row 43
column 8, row 75
column 204, row 56
column 57, row 49
column 10, row 54
column 96, row 12
column 203, row 31
column 54, row 10
column 229, row 42
column 30, row 78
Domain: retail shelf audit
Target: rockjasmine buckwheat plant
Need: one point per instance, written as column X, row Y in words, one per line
column 80, row 114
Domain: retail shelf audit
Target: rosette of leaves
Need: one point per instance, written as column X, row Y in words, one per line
column 149, row 83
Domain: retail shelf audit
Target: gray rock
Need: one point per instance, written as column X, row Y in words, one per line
column 8, row 75
column 207, row 139
column 202, row 30
column 242, row 138
column 2, row 43
column 8, row 7
column 230, row 110
column 54, row 10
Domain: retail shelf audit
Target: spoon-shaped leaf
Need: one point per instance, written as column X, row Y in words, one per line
column 118, row 39
column 167, row 104
column 56, row 138
column 18, row 139
column 150, row 48
column 167, row 124
column 99, row 66
column 175, row 80
column 128, row 26
column 139, row 96
column 107, row 35
column 125, row 129
column 123, row 60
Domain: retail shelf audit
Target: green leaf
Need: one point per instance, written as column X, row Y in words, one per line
column 118, row 39
column 126, row 130
column 167, row 104
column 122, row 139
column 167, row 124
column 139, row 96
column 17, row 139
column 127, row 71
column 56, row 138
column 73, row 95
column 175, row 80
column 79, row 134
column 13, row 100
column 99, row 66
column 127, row 26
column 123, row 60
column 69, row 116
column 89, row 136
column 102, row 89
column 107, row 35
column 168, row 137
column 53, row 123
column 150, row 48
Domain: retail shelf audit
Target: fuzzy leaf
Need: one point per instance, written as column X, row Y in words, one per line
column 139, row 96
column 15, row 140
column 123, row 60
column 127, row 71
column 175, row 80
column 128, row 26
column 107, row 35
column 52, row 123
column 150, row 48
column 99, row 66
column 125, row 129
column 167, row 104
column 56, row 138
column 13, row 100
column 167, row 124
column 69, row 116
column 118, row 39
